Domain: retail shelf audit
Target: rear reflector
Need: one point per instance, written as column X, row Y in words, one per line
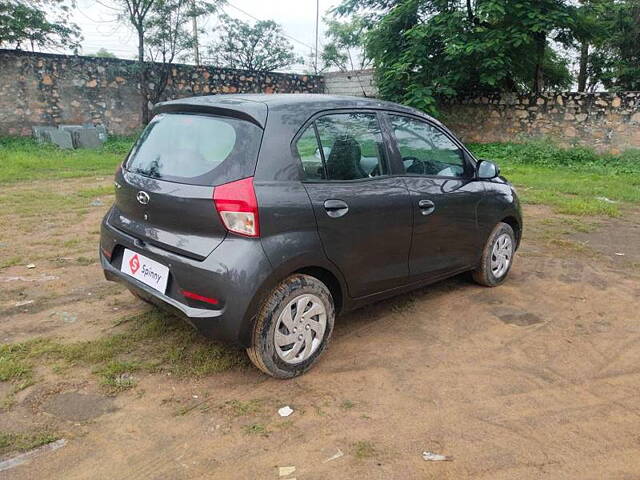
column 238, row 208
column 201, row 298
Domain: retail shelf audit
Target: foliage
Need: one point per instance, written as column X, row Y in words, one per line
column 163, row 34
column 104, row 53
column 169, row 36
column 134, row 13
column 344, row 50
column 425, row 50
column 38, row 24
column 260, row 47
column 617, row 64
column 547, row 154
column 607, row 32
column 590, row 31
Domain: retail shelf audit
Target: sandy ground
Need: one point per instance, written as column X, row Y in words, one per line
column 539, row 378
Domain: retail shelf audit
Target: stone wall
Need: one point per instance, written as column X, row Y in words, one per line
column 359, row 83
column 605, row 121
column 44, row 89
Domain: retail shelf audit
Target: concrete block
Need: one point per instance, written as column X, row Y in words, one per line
column 102, row 133
column 86, row 138
column 71, row 128
column 40, row 133
column 61, row 138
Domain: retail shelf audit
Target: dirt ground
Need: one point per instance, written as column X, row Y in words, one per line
column 538, row 378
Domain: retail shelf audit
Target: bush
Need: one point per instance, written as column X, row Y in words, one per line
column 547, row 154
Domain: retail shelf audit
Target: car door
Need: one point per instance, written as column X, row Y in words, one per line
column 440, row 176
column 363, row 214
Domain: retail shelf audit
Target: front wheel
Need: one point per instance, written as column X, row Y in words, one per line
column 293, row 327
column 497, row 256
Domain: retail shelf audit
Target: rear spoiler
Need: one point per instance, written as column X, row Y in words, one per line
column 254, row 112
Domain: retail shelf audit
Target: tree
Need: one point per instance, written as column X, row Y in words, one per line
column 38, row 24
column 589, row 31
column 163, row 34
column 620, row 57
column 540, row 19
column 135, row 13
column 425, row 50
column 104, row 53
column 345, row 50
column 607, row 34
column 260, row 47
column 169, row 36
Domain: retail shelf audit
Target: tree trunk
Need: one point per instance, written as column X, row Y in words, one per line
column 538, row 77
column 143, row 78
column 470, row 14
column 584, row 61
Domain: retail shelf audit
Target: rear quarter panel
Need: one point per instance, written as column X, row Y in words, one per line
column 288, row 229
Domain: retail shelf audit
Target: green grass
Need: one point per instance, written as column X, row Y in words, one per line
column 116, row 376
column 256, row 429
column 85, row 261
column 238, row 408
column 11, row 261
column 13, row 369
column 24, row 159
column 96, row 192
column 23, row 442
column 14, row 361
column 574, row 181
column 363, row 449
column 151, row 342
column 347, row 404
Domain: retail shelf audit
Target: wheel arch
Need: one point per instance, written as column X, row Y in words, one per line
column 516, row 225
column 324, row 272
column 329, row 279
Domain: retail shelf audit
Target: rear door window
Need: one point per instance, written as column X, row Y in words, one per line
column 309, row 152
column 190, row 148
column 350, row 147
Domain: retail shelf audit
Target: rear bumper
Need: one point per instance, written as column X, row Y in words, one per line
column 154, row 296
column 233, row 273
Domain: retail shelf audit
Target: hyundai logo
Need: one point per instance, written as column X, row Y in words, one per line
column 143, row 197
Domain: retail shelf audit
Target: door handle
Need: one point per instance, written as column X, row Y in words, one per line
column 336, row 208
column 426, row 207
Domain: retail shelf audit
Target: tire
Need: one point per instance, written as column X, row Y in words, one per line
column 281, row 337
column 493, row 269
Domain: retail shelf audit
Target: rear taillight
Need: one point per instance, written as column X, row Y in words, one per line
column 238, row 208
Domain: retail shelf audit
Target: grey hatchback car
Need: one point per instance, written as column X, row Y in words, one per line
column 259, row 218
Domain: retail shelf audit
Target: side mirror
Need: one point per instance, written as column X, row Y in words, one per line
column 487, row 170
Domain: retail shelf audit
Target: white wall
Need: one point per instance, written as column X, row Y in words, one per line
column 359, row 83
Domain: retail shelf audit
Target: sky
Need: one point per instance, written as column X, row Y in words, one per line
column 100, row 28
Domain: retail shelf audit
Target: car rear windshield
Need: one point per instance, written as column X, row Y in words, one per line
column 196, row 149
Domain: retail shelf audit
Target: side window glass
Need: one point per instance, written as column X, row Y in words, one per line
column 426, row 150
column 309, row 152
column 352, row 146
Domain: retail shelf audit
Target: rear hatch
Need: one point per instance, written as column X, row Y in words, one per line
column 164, row 192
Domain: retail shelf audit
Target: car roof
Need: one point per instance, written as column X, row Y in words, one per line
column 254, row 107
